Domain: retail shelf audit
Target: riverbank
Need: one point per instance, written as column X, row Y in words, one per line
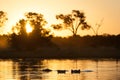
column 71, row 52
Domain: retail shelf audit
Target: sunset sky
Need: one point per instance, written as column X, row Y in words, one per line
column 95, row 11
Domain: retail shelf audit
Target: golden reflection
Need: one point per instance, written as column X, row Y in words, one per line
column 31, row 69
column 6, row 70
column 69, row 65
column 79, row 64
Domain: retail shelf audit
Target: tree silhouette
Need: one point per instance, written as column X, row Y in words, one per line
column 38, row 22
column 39, row 35
column 19, row 39
column 20, row 27
column 35, row 39
column 3, row 18
column 72, row 22
column 97, row 25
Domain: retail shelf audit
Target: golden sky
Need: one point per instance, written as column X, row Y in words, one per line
column 95, row 10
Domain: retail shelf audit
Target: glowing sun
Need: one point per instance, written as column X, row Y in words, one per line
column 28, row 28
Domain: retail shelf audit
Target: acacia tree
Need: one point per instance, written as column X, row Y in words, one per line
column 38, row 22
column 3, row 18
column 72, row 22
column 39, row 35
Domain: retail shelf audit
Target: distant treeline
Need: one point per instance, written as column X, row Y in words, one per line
column 89, row 41
column 31, row 43
column 102, row 46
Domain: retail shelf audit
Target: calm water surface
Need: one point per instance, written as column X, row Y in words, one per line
column 31, row 69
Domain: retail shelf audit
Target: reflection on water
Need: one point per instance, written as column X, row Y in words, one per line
column 31, row 69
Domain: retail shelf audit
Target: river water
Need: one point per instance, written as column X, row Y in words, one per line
column 32, row 69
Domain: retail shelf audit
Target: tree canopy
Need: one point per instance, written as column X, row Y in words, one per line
column 72, row 22
column 39, row 35
column 38, row 22
column 3, row 18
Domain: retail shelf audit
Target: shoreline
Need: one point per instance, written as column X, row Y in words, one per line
column 66, row 53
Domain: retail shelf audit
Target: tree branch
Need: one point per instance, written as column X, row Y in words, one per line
column 77, row 27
